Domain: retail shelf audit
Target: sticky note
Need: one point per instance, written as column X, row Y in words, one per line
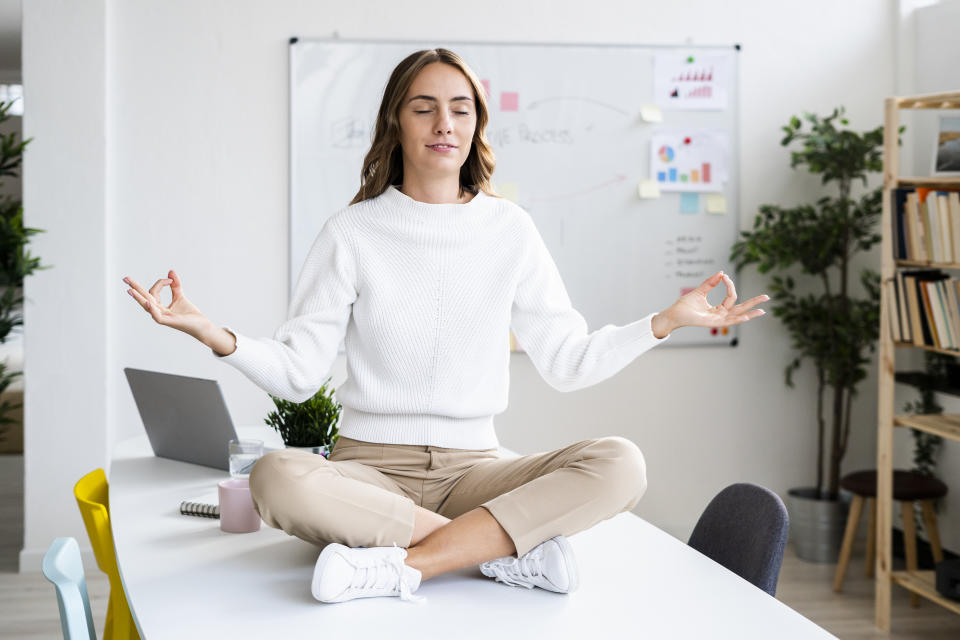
column 651, row 113
column 649, row 189
column 486, row 87
column 689, row 203
column 716, row 203
column 509, row 101
column 509, row 190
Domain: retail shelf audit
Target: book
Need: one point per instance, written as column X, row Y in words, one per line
column 953, row 312
column 915, row 222
column 946, row 235
column 943, row 207
column 915, row 323
column 901, row 243
column 922, row 308
column 893, row 316
column 940, row 314
column 953, row 206
column 932, row 219
column 906, row 331
column 921, row 313
column 928, row 313
column 205, row 506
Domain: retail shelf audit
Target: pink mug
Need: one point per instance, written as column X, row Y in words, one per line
column 237, row 513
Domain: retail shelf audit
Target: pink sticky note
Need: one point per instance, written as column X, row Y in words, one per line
column 509, row 101
column 486, row 87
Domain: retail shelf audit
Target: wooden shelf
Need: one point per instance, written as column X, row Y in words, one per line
column 946, row 425
column 923, row 264
column 949, row 100
column 928, row 182
column 946, row 352
column 924, row 584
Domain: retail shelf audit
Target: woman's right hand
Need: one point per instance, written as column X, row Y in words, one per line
column 181, row 314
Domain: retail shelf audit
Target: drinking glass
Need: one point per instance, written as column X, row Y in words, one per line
column 244, row 453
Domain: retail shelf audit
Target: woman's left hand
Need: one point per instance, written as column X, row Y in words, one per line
column 693, row 310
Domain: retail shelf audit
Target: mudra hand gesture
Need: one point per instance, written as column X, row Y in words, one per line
column 180, row 314
column 693, row 310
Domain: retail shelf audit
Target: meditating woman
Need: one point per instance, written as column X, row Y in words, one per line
column 423, row 276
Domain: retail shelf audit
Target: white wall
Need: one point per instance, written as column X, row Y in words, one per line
column 68, row 336
column 192, row 99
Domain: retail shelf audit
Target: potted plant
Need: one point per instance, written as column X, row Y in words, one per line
column 15, row 264
column 311, row 424
column 828, row 324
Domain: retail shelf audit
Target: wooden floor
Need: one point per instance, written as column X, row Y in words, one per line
column 28, row 604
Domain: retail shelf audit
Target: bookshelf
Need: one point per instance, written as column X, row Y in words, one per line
column 920, row 583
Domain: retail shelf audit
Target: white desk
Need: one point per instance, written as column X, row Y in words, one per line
column 187, row 579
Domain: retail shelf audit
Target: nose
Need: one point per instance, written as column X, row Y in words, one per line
column 445, row 123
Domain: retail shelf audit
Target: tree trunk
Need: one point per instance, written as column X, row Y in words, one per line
column 836, row 453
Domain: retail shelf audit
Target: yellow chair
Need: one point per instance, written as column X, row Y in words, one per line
column 92, row 497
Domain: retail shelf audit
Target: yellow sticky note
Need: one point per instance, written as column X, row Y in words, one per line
column 509, row 190
column 651, row 113
column 649, row 189
column 716, row 203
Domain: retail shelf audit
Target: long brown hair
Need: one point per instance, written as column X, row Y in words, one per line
column 383, row 164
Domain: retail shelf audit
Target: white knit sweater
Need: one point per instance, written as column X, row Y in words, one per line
column 424, row 297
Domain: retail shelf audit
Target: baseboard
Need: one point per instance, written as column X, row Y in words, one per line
column 924, row 553
column 31, row 559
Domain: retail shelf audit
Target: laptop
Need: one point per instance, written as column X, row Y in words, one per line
column 185, row 418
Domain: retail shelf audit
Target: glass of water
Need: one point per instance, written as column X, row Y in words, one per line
column 244, row 454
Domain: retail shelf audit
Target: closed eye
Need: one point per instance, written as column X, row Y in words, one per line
column 462, row 113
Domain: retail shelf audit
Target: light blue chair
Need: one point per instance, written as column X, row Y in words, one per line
column 63, row 567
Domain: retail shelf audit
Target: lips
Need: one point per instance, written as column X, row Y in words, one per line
column 441, row 146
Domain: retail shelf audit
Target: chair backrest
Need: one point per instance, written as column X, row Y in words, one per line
column 63, row 567
column 92, row 493
column 745, row 529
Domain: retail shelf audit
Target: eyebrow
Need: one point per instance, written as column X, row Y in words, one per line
column 432, row 99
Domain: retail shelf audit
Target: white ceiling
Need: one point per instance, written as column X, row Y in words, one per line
column 9, row 35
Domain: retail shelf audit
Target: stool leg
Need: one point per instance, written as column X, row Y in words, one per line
column 930, row 520
column 853, row 520
column 910, row 543
column 871, row 535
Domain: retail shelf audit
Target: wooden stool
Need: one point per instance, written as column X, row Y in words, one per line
column 908, row 487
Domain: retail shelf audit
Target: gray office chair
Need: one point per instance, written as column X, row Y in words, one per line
column 745, row 529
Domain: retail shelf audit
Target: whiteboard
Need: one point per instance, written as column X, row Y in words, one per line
column 573, row 140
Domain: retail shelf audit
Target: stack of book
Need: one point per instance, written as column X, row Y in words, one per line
column 924, row 308
column 926, row 225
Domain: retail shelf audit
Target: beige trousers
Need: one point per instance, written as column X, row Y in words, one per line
column 365, row 493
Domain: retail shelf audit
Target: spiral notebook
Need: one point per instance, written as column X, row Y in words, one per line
column 205, row 506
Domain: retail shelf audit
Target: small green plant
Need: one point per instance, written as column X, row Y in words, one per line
column 312, row 423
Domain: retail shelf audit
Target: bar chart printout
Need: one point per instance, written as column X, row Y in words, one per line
column 689, row 161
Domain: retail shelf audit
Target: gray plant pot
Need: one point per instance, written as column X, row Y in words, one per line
column 323, row 450
column 816, row 526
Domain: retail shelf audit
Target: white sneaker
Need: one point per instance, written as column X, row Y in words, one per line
column 550, row 565
column 344, row 573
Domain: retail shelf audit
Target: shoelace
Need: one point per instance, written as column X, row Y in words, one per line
column 512, row 570
column 382, row 574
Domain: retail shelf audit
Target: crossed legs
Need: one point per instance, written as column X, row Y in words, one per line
column 536, row 497
column 440, row 544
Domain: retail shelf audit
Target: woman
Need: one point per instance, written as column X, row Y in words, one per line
column 425, row 273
